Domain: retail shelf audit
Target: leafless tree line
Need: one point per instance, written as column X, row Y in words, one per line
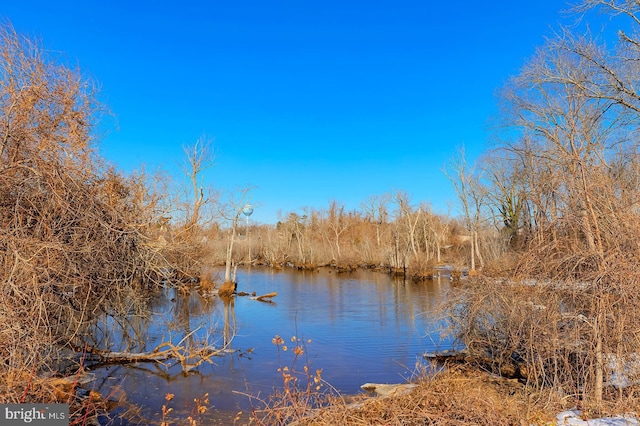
column 563, row 180
column 389, row 232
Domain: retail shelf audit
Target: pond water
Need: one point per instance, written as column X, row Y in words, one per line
column 357, row 327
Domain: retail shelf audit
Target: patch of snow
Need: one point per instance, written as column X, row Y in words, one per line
column 574, row 418
column 624, row 373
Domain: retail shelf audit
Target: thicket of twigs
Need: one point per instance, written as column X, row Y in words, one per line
column 72, row 231
column 566, row 185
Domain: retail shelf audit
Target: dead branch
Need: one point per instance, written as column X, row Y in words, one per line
column 265, row 297
column 189, row 358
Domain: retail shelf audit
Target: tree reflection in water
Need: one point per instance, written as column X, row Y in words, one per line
column 364, row 327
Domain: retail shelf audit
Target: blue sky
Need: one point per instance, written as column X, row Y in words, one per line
column 307, row 101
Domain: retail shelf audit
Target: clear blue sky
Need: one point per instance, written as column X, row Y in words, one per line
column 308, row 101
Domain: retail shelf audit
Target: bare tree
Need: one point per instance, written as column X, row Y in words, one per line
column 508, row 196
column 231, row 211
column 434, row 230
column 295, row 227
column 376, row 210
column 472, row 197
column 337, row 223
column 198, row 158
column 407, row 219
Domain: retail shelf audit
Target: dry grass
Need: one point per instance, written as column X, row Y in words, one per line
column 456, row 396
column 453, row 394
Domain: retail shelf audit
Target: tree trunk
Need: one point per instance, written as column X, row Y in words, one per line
column 599, row 373
column 477, row 249
column 473, row 253
column 227, row 269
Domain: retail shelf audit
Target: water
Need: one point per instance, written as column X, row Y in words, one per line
column 357, row 327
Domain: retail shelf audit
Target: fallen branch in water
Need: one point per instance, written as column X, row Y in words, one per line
column 189, row 358
column 266, row 297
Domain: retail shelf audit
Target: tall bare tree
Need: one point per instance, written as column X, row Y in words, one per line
column 508, row 196
column 471, row 194
column 198, row 158
column 337, row 222
column 406, row 220
column 376, row 210
column 231, row 212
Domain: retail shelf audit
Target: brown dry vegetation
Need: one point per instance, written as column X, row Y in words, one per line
column 77, row 239
column 70, row 231
column 455, row 396
column 549, row 231
column 412, row 240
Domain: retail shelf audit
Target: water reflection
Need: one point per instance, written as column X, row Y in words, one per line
column 229, row 320
column 363, row 327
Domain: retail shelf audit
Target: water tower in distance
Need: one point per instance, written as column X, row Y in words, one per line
column 247, row 210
